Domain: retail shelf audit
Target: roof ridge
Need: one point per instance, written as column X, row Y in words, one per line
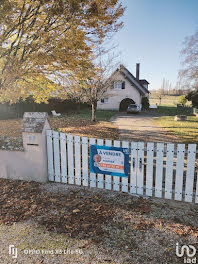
column 143, row 88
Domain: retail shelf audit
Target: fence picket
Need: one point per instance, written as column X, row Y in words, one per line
column 100, row 177
column 159, row 170
column 149, row 169
column 125, row 180
column 133, row 177
column 116, row 179
column 67, row 163
column 196, row 195
column 70, row 155
column 63, row 157
column 190, row 172
column 140, row 168
column 179, row 171
column 50, row 159
column 92, row 141
column 85, row 161
column 77, row 160
column 56, row 156
column 169, row 171
column 108, row 178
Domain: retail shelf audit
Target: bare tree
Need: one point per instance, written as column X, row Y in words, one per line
column 89, row 85
column 189, row 73
column 71, row 87
column 97, row 86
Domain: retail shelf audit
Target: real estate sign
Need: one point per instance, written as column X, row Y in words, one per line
column 109, row 160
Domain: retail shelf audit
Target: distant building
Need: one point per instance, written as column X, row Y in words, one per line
column 124, row 90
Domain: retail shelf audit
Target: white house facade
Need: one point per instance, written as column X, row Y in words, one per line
column 125, row 89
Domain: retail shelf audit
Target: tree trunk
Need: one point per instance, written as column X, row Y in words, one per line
column 93, row 112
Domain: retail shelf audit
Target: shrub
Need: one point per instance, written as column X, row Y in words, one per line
column 145, row 103
column 29, row 105
column 193, row 97
column 182, row 99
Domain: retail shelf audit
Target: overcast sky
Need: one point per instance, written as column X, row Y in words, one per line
column 153, row 33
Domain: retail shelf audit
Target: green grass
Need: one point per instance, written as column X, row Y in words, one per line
column 187, row 131
column 172, row 111
column 85, row 114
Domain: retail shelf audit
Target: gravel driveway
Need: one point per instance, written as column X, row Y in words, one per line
column 141, row 127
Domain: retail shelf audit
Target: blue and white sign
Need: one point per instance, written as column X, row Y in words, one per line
column 109, row 160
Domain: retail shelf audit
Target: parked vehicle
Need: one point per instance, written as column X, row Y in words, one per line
column 133, row 108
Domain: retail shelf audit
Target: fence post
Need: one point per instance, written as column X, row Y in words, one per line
column 34, row 129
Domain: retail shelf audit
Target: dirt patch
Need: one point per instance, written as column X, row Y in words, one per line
column 141, row 127
column 109, row 227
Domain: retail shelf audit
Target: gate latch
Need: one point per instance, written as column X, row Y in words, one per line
column 140, row 164
column 133, row 163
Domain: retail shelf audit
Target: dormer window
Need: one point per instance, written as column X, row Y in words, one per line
column 119, row 85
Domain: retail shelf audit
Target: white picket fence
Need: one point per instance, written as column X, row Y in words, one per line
column 156, row 169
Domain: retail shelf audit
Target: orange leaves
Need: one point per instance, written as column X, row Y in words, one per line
column 48, row 37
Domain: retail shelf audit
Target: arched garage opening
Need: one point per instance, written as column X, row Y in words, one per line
column 125, row 103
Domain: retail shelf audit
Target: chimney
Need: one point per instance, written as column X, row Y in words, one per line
column 137, row 71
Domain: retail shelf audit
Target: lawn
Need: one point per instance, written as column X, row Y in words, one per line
column 166, row 110
column 74, row 123
column 167, row 100
column 99, row 226
column 187, row 131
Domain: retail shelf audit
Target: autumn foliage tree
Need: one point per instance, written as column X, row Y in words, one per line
column 42, row 37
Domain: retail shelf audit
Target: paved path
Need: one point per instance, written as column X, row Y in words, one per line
column 141, row 127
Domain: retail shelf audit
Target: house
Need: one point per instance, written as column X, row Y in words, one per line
column 124, row 89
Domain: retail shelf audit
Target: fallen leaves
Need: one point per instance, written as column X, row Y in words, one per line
column 72, row 124
column 142, row 206
column 143, row 225
column 76, row 211
column 91, row 216
column 61, row 213
column 181, row 230
column 10, row 128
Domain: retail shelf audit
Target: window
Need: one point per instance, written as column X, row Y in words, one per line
column 104, row 100
column 118, row 85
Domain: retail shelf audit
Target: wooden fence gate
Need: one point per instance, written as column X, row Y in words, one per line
column 163, row 170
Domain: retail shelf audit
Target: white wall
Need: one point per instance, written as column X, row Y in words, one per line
column 30, row 164
column 116, row 96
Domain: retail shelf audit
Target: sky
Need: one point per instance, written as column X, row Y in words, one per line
column 153, row 35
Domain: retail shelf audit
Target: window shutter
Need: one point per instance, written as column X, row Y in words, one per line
column 123, row 85
column 112, row 85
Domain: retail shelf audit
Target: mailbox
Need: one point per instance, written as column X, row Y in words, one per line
column 34, row 126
